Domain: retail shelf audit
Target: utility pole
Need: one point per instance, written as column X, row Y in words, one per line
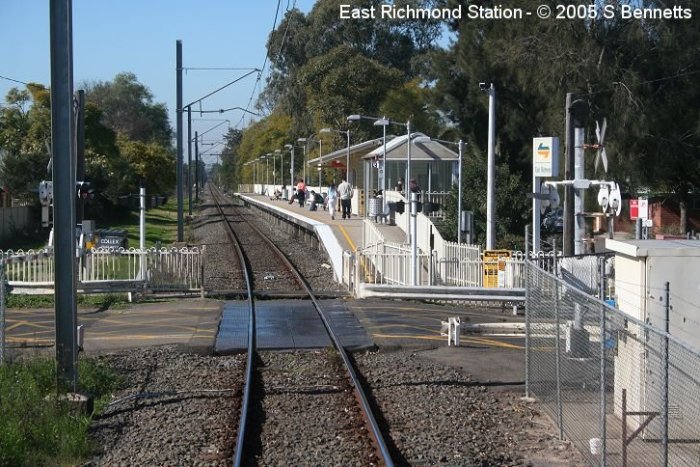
column 196, row 158
column 189, row 159
column 491, row 173
column 64, row 190
column 196, row 147
column 178, row 72
column 568, row 243
column 579, row 113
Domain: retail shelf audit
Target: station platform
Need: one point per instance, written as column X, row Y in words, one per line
column 336, row 235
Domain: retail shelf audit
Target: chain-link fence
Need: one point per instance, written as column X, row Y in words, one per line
column 623, row 392
column 3, row 308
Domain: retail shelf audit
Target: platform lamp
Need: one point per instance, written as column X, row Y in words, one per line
column 274, row 168
column 347, row 155
column 306, row 141
column 279, row 151
column 291, row 164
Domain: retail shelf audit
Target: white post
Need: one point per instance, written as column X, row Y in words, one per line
column 347, row 160
column 491, row 174
column 459, row 194
column 291, row 170
column 578, row 193
column 407, row 182
column 414, row 239
column 320, row 163
column 142, row 232
column 382, row 172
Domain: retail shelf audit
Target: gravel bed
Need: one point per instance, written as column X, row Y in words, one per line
column 221, row 270
column 437, row 415
column 308, row 414
column 172, row 408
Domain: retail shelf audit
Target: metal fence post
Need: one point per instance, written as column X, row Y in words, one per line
column 603, row 428
column 557, row 361
column 665, row 426
column 201, row 268
column 528, row 271
column 2, row 312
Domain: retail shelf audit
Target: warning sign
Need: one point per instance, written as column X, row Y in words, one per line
column 494, row 267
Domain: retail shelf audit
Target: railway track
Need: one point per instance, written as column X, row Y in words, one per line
column 336, row 400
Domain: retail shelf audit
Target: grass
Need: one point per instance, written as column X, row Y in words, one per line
column 161, row 225
column 36, row 430
column 101, row 301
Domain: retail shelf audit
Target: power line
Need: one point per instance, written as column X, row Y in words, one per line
column 14, row 80
column 262, row 69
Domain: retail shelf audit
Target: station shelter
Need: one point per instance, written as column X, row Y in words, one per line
column 434, row 166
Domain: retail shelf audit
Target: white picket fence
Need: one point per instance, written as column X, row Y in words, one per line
column 109, row 269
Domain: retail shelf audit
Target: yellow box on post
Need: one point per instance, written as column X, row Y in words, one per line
column 493, row 267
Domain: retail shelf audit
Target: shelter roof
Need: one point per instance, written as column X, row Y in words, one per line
column 396, row 149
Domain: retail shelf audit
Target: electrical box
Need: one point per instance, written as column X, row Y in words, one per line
column 642, row 269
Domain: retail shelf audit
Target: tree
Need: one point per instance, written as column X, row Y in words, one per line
column 25, row 137
column 149, row 163
column 128, row 109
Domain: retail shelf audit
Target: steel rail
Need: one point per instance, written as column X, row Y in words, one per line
column 245, row 268
column 359, row 391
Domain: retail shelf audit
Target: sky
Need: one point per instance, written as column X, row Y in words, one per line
column 139, row 36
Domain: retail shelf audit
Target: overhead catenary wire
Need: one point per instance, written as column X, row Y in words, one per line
column 14, row 80
column 267, row 56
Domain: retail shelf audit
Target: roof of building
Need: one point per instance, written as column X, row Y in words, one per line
column 422, row 150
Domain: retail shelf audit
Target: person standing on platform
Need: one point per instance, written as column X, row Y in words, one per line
column 301, row 192
column 330, row 200
column 345, row 195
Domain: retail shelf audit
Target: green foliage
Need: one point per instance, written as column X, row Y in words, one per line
column 129, row 109
column 36, row 430
column 640, row 75
column 101, row 301
column 150, row 163
column 25, row 131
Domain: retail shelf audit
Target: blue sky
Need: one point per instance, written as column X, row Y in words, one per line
column 113, row 36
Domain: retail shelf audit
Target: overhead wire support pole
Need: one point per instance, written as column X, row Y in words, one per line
column 64, row 186
column 178, row 67
column 189, row 159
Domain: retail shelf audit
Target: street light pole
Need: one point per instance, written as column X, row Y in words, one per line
column 320, row 163
column 383, row 122
column 459, row 193
column 491, row 173
column 291, row 165
column 347, row 159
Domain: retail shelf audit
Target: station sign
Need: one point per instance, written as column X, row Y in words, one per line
column 545, row 156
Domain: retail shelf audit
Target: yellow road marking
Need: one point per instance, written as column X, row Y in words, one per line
column 142, row 337
column 473, row 340
column 347, row 237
